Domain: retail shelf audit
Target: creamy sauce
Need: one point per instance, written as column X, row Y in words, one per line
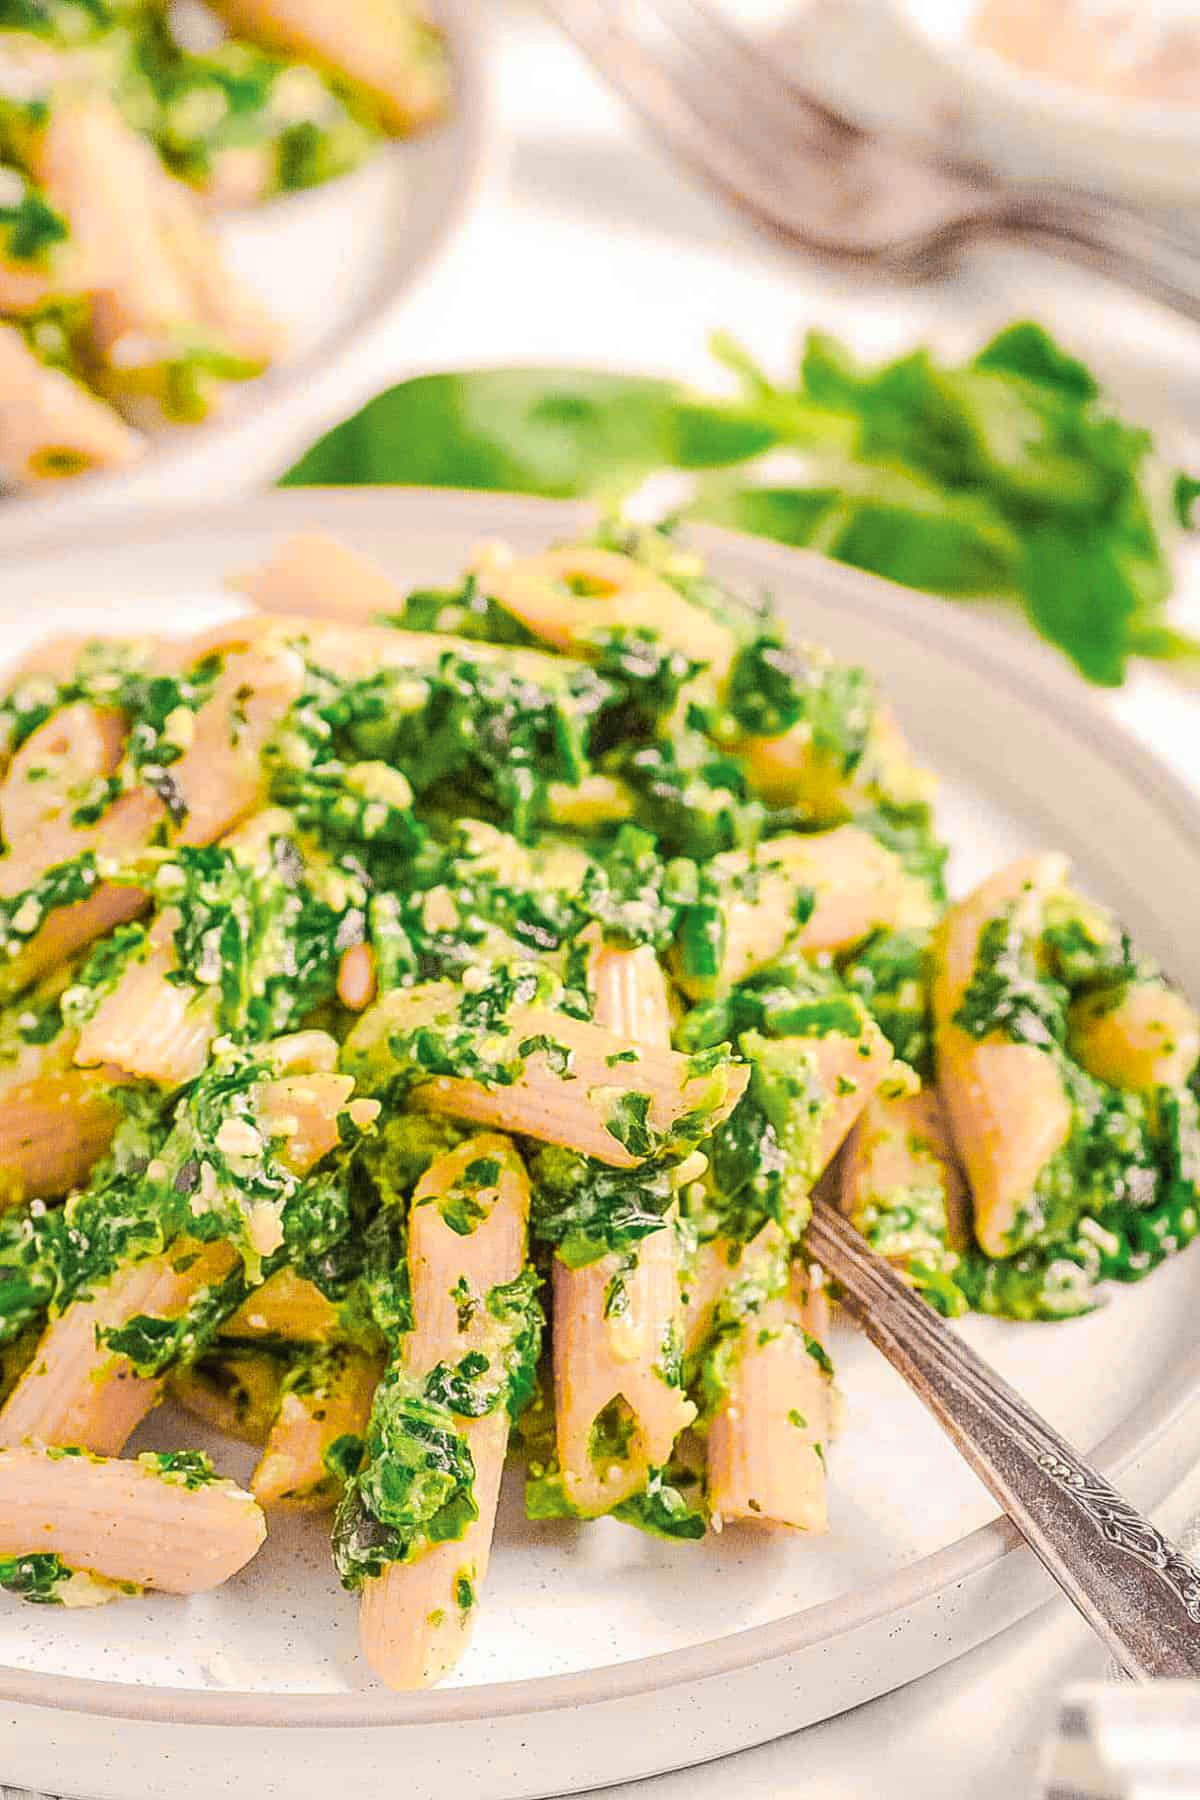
column 1131, row 51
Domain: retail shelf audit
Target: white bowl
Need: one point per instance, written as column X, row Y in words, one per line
column 1040, row 128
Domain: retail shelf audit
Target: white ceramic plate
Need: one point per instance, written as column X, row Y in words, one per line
column 333, row 265
column 601, row 1655
column 1037, row 127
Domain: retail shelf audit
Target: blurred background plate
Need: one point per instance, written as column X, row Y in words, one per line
column 336, row 265
column 601, row 1655
column 912, row 65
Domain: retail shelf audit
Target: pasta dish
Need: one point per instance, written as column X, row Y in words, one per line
column 425, row 1020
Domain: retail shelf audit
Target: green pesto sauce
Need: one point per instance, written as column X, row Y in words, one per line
column 415, row 1485
column 190, row 1469
column 30, row 226
column 44, row 1579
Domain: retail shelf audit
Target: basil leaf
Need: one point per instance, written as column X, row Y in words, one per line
column 555, row 432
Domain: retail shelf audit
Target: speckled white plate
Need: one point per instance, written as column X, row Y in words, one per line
column 601, row 1655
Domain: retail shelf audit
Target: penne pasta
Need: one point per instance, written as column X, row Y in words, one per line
column 572, row 598
column 1141, row 1036
column 151, row 1026
column 768, row 1435
column 313, row 574
column 51, row 427
column 389, row 50
column 850, row 884
column 358, row 652
column 77, row 1390
column 158, row 281
column 597, row 998
column 618, row 1320
column 55, row 1125
column 562, row 1080
column 900, row 1185
column 630, row 996
column 215, row 780
column 768, row 1415
column 288, row 1307
column 795, row 769
column 219, row 779
column 77, row 746
column 1006, row 1101
column 236, row 1391
column 416, row 1615
column 160, row 1521
column 316, row 1438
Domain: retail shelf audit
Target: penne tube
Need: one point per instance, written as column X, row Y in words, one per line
column 219, row 780
column 618, row 1409
column 706, row 1276
column 53, row 663
column 313, row 574
column 54, row 1127
column 1142, row 1036
column 900, row 1185
column 794, row 769
column 1006, row 1101
column 359, row 652
column 157, row 1522
column 69, row 928
column 77, row 746
column 160, row 287
column 159, row 1025
column 124, row 827
column 214, row 783
column 768, row 1434
column 831, row 1078
column 316, row 1437
column 416, row 1615
column 564, row 1080
column 415, row 1620
column 852, row 886
column 286, row 1306
column 618, row 1320
column 78, row 1391
column 236, row 1391
column 387, row 49
column 741, row 1321
column 51, row 426
column 570, row 598
column 151, row 1026
column 629, row 993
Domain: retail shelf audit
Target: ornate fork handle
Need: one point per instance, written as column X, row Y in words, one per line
column 1136, row 1590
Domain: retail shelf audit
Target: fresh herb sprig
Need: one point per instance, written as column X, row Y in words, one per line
column 1009, row 474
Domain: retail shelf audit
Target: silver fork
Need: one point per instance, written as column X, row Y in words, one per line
column 1139, row 1593
column 717, row 99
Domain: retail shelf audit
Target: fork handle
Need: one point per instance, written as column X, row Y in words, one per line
column 1149, row 251
column 1138, row 1592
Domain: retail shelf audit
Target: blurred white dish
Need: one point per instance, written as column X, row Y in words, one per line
column 1039, row 128
column 333, row 265
column 601, row 1655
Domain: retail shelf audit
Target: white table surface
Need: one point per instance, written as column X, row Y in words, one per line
column 589, row 247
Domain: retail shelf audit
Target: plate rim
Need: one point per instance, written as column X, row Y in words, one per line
column 995, row 653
